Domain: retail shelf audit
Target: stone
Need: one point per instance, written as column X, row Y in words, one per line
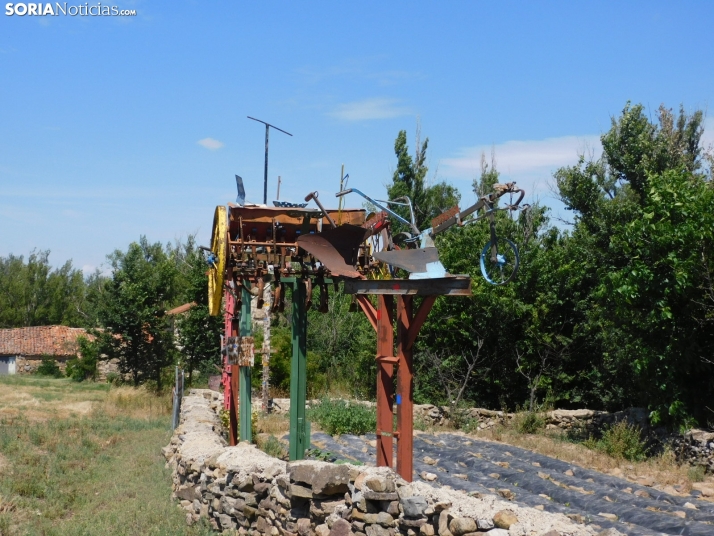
column 506, row 494
column 321, row 508
column 647, row 481
column 250, row 512
column 261, row 488
column 498, row 532
column 429, row 461
column 297, row 490
column 642, row 493
column 610, row 532
column 689, row 505
column 461, row 525
column 427, row 529
column 679, row 513
column 484, row 524
column 380, row 496
column 569, row 472
column 441, row 506
column 494, row 475
column 551, row 532
column 303, row 526
column 340, row 527
column 262, row 526
column 376, row 530
column 392, row 508
column 429, row 477
column 576, row 518
column 503, row 519
column 384, row 519
column 380, row 484
column 444, row 523
column 608, row 516
column 412, row 523
column 414, row 506
column 705, row 490
column 331, row 480
column 226, row 521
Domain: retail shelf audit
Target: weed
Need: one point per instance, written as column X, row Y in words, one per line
column 338, row 417
column 620, row 441
column 528, row 422
column 272, row 447
column 696, row 473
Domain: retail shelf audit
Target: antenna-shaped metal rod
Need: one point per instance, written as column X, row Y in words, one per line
column 265, row 174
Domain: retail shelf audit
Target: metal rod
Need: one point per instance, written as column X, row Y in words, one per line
column 268, row 126
column 245, row 372
column 376, row 203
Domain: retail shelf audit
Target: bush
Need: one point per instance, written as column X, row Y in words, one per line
column 529, row 422
column 338, row 417
column 621, row 441
column 272, row 447
column 49, row 367
column 84, row 368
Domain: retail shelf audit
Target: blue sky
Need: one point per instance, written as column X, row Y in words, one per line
column 114, row 127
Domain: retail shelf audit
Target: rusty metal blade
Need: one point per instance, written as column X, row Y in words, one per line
column 441, row 218
column 336, row 248
column 411, row 260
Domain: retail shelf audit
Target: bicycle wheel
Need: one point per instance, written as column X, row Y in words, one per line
column 504, row 268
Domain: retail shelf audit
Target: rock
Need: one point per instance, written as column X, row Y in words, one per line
column 296, row 490
column 647, row 481
column 379, row 483
column 303, row 526
column 577, row 518
column 606, row 515
column 567, row 473
column 690, row 506
column 331, row 480
column 340, row 527
column 642, row 493
column 444, row 523
column 376, row 530
column 322, row 530
column 384, row 519
column 484, row 523
column 705, row 490
column 680, row 514
column 498, row 532
column 610, row 532
column 429, row 477
column 427, row 529
column 504, row 519
column 412, row 523
column 461, row 525
column 441, row 506
column 551, row 532
column 429, row 461
column 506, row 494
column 380, row 496
column 393, row 508
column 414, row 506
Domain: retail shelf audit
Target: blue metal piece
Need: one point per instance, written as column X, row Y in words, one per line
column 504, row 268
column 399, row 399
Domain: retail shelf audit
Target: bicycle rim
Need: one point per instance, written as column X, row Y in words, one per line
column 505, row 267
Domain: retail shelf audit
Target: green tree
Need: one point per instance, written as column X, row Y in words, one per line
column 409, row 180
column 137, row 332
column 199, row 334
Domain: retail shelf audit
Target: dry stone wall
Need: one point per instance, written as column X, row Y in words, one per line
column 243, row 490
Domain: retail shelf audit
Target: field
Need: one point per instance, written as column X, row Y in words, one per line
column 81, row 458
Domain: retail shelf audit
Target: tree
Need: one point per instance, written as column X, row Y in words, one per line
column 137, row 332
column 199, row 333
column 409, row 180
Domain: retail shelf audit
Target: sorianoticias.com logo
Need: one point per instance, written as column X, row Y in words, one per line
column 82, row 10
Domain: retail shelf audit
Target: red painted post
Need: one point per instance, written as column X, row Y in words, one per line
column 230, row 372
column 385, row 387
column 405, row 390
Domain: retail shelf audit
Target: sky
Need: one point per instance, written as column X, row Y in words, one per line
column 114, row 127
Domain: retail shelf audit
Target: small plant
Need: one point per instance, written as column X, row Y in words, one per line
column 49, row 367
column 338, row 417
column 696, row 473
column 319, row 454
column 273, row 447
column 529, row 422
column 225, row 416
column 621, row 441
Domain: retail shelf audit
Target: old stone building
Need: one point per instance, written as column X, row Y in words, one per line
column 22, row 349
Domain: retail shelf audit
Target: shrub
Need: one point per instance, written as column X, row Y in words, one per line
column 697, row 473
column 273, row 447
column 338, row 417
column 528, row 422
column 49, row 367
column 621, row 441
column 84, row 368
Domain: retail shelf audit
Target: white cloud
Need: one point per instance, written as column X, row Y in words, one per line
column 377, row 108
column 210, row 144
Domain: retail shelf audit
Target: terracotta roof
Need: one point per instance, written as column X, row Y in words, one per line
column 40, row 340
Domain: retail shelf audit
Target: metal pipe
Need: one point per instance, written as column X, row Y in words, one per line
column 385, row 209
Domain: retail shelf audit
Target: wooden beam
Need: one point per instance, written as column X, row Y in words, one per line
column 419, row 319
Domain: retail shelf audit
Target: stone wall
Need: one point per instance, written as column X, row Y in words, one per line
column 241, row 489
column 29, row 365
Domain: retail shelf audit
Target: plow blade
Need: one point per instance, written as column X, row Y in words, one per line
column 421, row 263
column 336, row 249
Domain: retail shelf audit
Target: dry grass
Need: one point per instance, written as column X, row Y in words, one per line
column 137, row 402
column 273, row 424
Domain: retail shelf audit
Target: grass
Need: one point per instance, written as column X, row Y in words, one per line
column 84, row 459
column 338, row 417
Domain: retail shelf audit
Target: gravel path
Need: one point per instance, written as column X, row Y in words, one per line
column 464, row 463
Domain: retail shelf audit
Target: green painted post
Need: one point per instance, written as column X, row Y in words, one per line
column 244, row 376
column 299, row 436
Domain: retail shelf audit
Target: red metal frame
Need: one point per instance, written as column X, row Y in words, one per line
column 408, row 326
column 229, row 377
